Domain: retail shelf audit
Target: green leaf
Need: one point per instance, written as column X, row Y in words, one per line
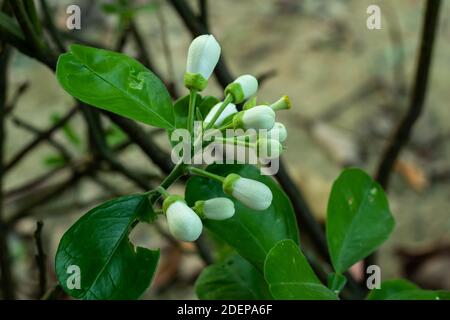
column 251, row 233
column 285, row 262
column 117, row 83
column 336, row 282
column 400, row 289
column 359, row 219
column 233, row 279
column 290, row 276
column 391, row 287
column 301, row 291
column 110, row 266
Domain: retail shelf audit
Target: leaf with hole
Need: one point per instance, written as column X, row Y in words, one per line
column 98, row 245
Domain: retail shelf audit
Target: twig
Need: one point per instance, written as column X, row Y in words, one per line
column 54, row 33
column 40, row 138
column 7, row 282
column 29, row 127
column 167, row 51
column 41, row 259
column 403, row 131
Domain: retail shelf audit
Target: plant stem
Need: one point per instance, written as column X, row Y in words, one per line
column 236, row 142
column 191, row 113
column 162, row 191
column 173, row 176
column 204, row 173
column 227, row 101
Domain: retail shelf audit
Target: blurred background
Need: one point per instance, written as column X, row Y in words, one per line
column 349, row 87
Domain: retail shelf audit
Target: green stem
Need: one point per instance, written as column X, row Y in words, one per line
column 227, row 101
column 236, row 141
column 203, row 173
column 162, row 191
column 173, row 176
column 190, row 119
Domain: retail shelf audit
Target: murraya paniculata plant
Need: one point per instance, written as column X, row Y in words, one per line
column 247, row 212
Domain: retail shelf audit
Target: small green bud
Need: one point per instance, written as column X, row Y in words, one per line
column 282, row 104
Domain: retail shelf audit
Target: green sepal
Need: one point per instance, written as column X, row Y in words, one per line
column 199, row 208
column 228, row 183
column 238, row 121
column 195, row 81
column 170, row 200
column 235, row 89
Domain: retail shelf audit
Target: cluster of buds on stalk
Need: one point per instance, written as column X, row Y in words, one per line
column 185, row 222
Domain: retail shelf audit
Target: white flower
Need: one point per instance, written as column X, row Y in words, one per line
column 184, row 223
column 259, row 117
column 252, row 193
column 269, row 148
column 203, row 55
column 218, row 208
column 229, row 110
column 242, row 88
column 278, row 132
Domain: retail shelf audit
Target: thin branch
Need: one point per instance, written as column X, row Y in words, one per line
column 403, row 131
column 41, row 259
column 7, row 282
column 39, row 139
column 29, row 127
column 50, row 25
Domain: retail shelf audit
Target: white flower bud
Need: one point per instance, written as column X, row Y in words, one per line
column 184, row 223
column 218, row 208
column 259, row 117
column 228, row 111
column 269, row 148
column 203, row 55
column 278, row 132
column 252, row 193
column 242, row 88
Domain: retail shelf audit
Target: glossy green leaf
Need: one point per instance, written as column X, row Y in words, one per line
column 110, row 266
column 359, row 219
column 391, row 287
column 285, row 262
column 233, row 279
column 117, row 83
column 251, row 233
column 301, row 291
column 336, row 282
column 290, row 276
column 400, row 289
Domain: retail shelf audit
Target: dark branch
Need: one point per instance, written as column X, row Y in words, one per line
column 403, row 131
